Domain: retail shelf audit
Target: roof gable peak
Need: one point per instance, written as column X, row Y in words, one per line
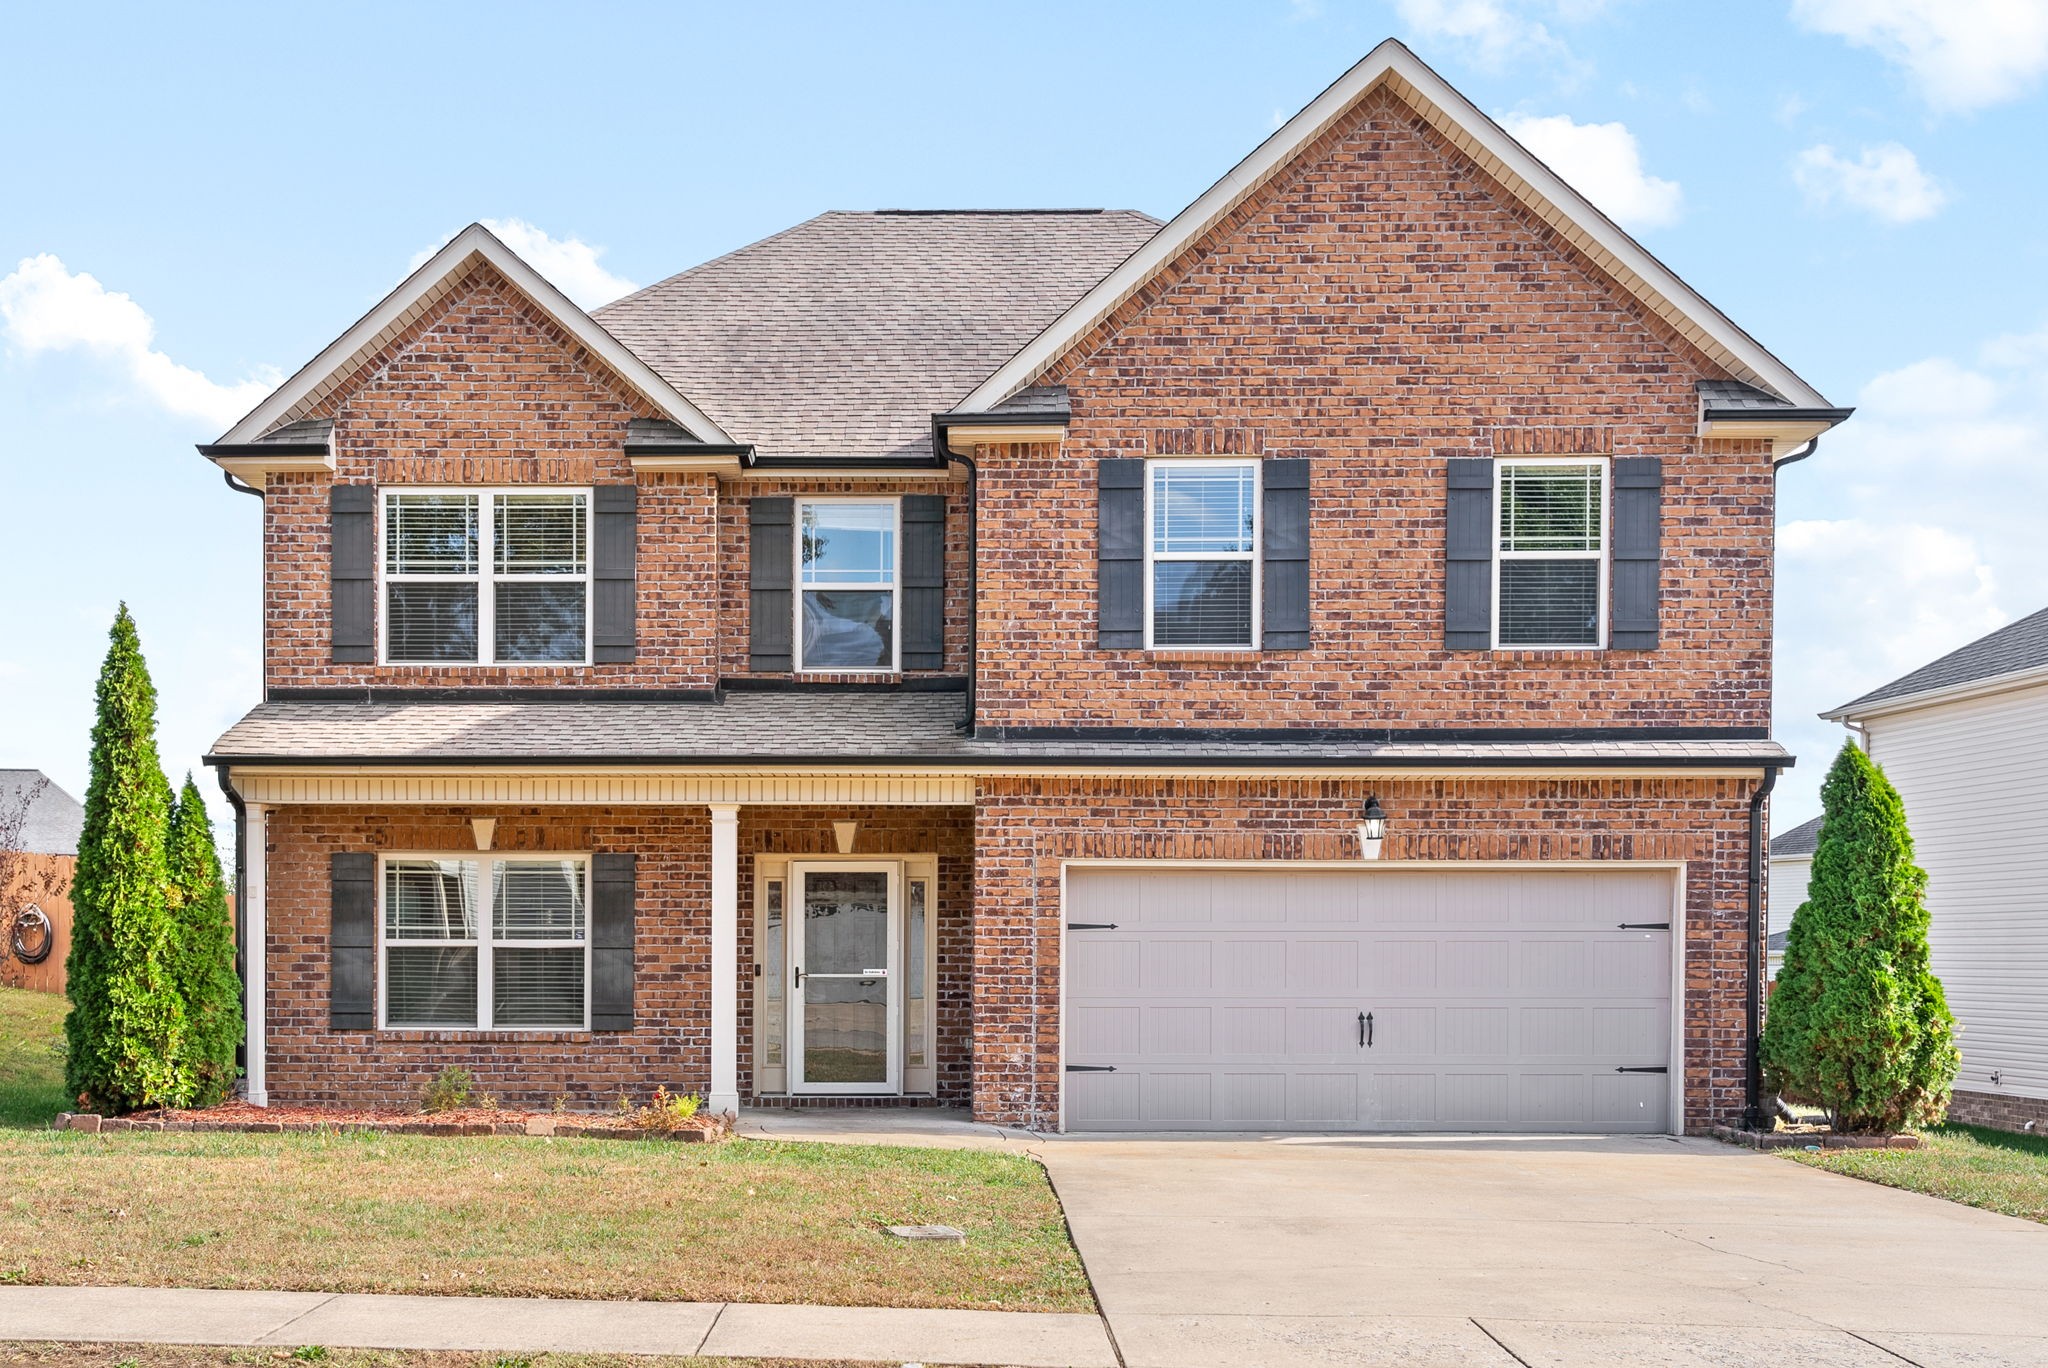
column 473, row 246
column 1394, row 67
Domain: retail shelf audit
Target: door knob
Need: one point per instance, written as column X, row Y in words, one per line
column 799, row 976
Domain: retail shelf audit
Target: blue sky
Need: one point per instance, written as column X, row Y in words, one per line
column 195, row 202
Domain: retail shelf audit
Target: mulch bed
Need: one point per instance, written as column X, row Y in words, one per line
column 242, row 1117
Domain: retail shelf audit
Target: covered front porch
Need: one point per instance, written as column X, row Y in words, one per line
column 783, row 939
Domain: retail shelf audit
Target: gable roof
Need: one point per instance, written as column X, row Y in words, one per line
column 1798, row 842
column 2016, row 649
column 296, row 397
column 1393, row 66
column 842, row 335
column 54, row 820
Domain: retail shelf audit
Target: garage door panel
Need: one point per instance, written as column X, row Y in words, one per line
column 1500, row 999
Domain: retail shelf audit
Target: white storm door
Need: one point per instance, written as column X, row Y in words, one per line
column 845, row 964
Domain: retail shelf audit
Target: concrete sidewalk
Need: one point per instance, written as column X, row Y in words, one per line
column 168, row 1315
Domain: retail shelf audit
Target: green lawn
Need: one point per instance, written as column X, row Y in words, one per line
column 1996, row 1170
column 31, row 1057
column 513, row 1216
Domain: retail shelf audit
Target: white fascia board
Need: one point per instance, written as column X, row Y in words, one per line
column 473, row 243
column 1934, row 698
column 1525, row 176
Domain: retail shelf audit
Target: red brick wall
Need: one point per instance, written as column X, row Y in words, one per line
column 1027, row 827
column 308, row 1063
column 2001, row 1111
column 1378, row 309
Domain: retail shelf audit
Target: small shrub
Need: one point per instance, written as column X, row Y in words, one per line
column 454, row 1089
column 667, row 1112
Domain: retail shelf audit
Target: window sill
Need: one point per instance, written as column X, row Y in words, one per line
column 455, row 1035
column 1211, row 655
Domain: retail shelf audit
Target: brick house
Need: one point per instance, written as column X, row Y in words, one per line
column 1302, row 665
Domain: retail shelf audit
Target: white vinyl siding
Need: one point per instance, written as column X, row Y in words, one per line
column 1788, row 889
column 1974, row 777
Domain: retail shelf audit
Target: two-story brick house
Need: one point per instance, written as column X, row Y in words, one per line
column 1302, row 665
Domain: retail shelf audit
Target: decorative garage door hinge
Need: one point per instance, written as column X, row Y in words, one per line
column 1644, row 926
column 1654, row 1068
column 1091, row 1068
column 1091, row 926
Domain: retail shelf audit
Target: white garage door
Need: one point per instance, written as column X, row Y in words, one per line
column 1368, row 999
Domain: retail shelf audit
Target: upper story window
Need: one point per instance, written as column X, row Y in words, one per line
column 1550, row 554
column 486, row 943
column 486, row 577
column 1202, row 553
column 847, row 582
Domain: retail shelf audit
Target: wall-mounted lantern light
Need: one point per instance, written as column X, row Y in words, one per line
column 1372, row 828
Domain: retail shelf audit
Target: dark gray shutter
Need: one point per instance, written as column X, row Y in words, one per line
column 351, row 941
column 352, row 520
column 611, row 942
column 1638, row 515
column 614, row 543
column 924, row 582
column 1120, row 554
column 1283, row 552
column 1468, row 555
column 771, row 570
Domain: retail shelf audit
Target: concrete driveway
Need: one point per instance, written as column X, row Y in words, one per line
column 1502, row 1251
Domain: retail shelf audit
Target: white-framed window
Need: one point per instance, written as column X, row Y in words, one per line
column 484, row 942
column 1201, row 553
column 1550, row 552
column 485, row 577
column 847, row 576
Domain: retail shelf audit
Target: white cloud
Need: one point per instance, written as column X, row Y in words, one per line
column 46, row 307
column 1492, row 33
column 1914, row 529
column 1962, row 54
column 1885, row 181
column 1603, row 163
column 570, row 264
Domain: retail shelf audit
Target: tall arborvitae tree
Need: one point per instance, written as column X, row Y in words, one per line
column 203, row 950
column 126, row 1031
column 1858, row 1023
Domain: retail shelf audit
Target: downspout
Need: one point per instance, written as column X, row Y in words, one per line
column 1811, row 444
column 945, row 451
column 1753, row 1117
column 238, row 486
column 241, row 867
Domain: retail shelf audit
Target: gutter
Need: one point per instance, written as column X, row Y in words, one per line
column 942, row 450
column 997, row 762
column 1753, row 1117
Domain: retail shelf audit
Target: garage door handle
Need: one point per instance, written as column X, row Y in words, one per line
column 1364, row 1030
column 1656, row 1068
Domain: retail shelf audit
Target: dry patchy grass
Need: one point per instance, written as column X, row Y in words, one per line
column 204, row 1356
column 748, row 1221
column 1995, row 1170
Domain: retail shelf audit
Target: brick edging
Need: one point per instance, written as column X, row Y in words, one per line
column 88, row 1123
column 1773, row 1140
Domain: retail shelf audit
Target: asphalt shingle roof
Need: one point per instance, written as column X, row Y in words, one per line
column 2018, row 646
column 843, row 335
column 54, row 820
column 1800, row 840
column 815, row 728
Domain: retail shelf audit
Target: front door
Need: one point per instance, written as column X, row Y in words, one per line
column 845, row 978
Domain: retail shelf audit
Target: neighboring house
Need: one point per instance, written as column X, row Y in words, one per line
column 39, row 829
column 1791, row 866
column 1965, row 740
column 965, row 657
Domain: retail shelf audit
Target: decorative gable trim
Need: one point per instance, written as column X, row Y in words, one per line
column 419, row 292
column 1535, row 185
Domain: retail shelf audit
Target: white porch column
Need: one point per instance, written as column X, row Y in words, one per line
column 253, row 957
column 725, row 958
